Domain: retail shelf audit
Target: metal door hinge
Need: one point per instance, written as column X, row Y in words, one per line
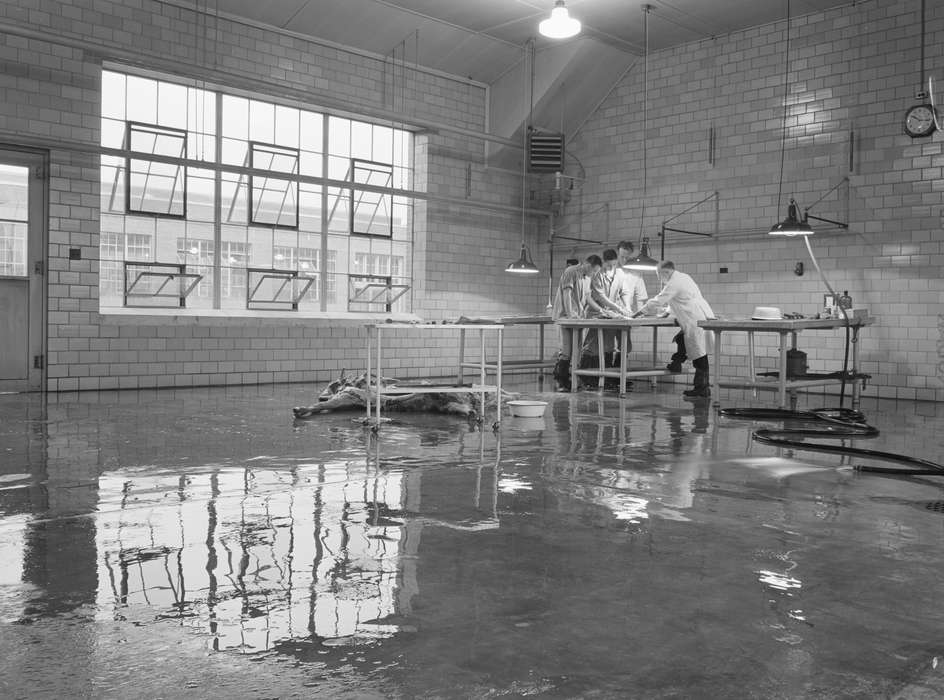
column 39, row 362
column 39, row 268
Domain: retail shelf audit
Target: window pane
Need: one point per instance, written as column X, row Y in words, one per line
column 372, row 210
column 261, row 121
column 156, row 187
column 361, row 140
column 383, row 144
column 339, row 220
column 201, row 123
column 286, row 126
column 113, row 95
column 13, row 248
column 309, row 208
column 235, row 190
column 200, row 195
column 312, row 125
column 14, row 192
column 339, row 137
column 172, row 105
column 141, row 100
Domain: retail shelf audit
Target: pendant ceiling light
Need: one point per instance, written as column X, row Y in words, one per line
column 792, row 225
column 523, row 265
column 560, row 25
column 643, row 261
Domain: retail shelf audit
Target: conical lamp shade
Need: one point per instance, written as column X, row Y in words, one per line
column 523, row 265
column 792, row 226
column 642, row 261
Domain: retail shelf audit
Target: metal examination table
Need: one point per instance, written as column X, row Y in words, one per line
column 656, row 369
column 783, row 384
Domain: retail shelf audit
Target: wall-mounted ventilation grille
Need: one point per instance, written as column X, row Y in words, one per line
column 545, row 152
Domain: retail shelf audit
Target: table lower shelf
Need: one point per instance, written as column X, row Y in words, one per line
column 615, row 373
column 773, row 383
column 434, row 389
column 510, row 365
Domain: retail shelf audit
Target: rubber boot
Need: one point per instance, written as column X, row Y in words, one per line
column 562, row 373
column 588, row 361
column 679, row 356
column 700, row 387
column 611, row 361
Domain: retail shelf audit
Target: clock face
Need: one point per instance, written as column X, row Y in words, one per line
column 919, row 120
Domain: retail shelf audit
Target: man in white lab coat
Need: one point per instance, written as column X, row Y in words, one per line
column 684, row 299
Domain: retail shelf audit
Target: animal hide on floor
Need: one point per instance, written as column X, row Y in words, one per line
column 350, row 393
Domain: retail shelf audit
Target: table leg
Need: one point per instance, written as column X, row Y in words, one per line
column 498, row 376
column 624, row 360
column 655, row 354
column 379, row 380
column 716, row 370
column 482, row 373
column 369, row 363
column 461, row 355
column 574, row 357
column 856, row 383
column 782, row 374
column 601, row 356
column 750, row 362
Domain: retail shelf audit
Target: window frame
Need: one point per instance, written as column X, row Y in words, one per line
column 353, row 206
column 129, row 127
column 308, row 180
column 290, row 178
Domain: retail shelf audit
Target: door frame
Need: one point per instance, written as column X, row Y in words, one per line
column 37, row 161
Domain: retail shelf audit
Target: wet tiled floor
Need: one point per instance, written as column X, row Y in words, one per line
column 202, row 543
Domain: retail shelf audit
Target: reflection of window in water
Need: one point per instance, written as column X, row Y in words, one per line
column 256, row 557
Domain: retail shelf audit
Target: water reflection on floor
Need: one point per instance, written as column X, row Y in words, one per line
column 201, row 543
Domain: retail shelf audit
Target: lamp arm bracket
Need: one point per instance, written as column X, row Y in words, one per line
column 840, row 224
column 681, row 230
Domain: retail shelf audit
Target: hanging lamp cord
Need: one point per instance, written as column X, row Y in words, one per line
column 645, row 123
column 783, row 124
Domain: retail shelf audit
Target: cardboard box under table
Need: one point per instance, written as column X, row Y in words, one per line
column 597, row 326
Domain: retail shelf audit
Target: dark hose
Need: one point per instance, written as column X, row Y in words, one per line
column 843, row 423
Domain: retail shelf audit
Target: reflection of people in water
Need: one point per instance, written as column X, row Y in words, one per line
column 700, row 416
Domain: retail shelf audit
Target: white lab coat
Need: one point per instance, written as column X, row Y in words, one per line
column 684, row 299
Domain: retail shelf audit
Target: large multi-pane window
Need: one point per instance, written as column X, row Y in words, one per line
column 260, row 204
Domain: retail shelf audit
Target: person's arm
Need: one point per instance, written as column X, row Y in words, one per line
column 567, row 297
column 662, row 299
column 598, row 295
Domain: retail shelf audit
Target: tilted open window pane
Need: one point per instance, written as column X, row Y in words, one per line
column 371, row 212
column 274, row 199
column 156, row 187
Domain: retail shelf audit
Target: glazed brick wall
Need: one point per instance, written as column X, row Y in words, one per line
column 854, row 71
column 50, row 98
